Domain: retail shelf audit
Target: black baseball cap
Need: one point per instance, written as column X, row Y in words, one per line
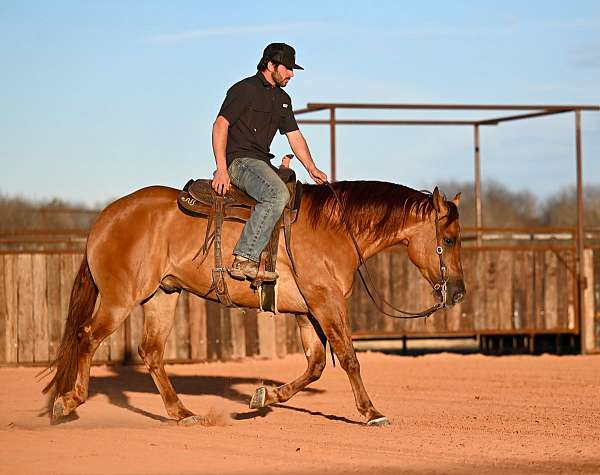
column 282, row 54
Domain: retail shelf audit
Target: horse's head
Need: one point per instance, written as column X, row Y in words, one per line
column 435, row 248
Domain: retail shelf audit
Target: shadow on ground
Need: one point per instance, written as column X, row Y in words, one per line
column 128, row 379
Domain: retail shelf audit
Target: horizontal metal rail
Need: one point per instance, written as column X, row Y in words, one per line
column 313, row 106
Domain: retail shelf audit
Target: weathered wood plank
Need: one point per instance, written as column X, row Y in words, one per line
column 3, row 311
column 505, row 287
column 251, row 330
column 562, row 299
column 539, row 267
column 55, row 316
column 226, row 340
column 530, row 316
column 213, row 327
column 266, row 335
column 197, row 318
column 519, row 284
column 40, row 308
column 588, row 315
column 596, row 274
column 238, row 333
column 550, row 290
column 26, row 329
column 492, row 299
column 465, row 308
column 477, row 287
column 572, row 294
column 12, row 338
column 281, row 334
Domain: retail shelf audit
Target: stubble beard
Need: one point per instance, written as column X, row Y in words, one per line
column 278, row 79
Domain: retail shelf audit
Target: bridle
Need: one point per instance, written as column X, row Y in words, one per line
column 366, row 278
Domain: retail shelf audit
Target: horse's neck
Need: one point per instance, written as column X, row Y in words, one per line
column 371, row 247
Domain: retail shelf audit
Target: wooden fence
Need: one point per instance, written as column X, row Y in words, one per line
column 510, row 290
column 34, row 298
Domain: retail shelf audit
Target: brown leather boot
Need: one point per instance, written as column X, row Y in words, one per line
column 243, row 269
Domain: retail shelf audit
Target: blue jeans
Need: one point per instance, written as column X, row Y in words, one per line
column 262, row 183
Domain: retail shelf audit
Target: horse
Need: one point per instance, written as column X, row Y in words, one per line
column 141, row 247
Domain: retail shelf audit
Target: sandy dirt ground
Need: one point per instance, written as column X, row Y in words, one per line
column 448, row 413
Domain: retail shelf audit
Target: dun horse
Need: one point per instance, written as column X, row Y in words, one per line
column 141, row 248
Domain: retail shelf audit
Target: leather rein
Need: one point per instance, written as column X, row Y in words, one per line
column 366, row 278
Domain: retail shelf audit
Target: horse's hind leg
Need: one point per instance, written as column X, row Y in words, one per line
column 105, row 320
column 313, row 342
column 159, row 313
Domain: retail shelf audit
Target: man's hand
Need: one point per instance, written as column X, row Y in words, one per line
column 220, row 182
column 300, row 148
column 285, row 161
column 317, row 175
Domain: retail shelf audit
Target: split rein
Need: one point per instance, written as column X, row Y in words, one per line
column 372, row 292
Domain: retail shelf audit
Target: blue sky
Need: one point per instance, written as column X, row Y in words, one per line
column 101, row 98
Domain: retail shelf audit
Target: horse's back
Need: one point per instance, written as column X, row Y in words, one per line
column 141, row 219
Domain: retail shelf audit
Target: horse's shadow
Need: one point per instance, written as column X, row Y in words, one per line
column 134, row 379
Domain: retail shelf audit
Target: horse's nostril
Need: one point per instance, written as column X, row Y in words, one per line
column 458, row 296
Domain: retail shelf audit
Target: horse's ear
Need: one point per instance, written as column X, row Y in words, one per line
column 456, row 199
column 439, row 203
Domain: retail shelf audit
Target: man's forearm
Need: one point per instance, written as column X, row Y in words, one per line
column 219, row 143
column 300, row 149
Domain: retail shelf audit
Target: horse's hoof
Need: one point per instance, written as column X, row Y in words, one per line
column 379, row 422
column 58, row 410
column 190, row 421
column 258, row 400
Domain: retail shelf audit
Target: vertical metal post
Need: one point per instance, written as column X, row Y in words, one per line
column 580, row 232
column 332, row 143
column 478, row 220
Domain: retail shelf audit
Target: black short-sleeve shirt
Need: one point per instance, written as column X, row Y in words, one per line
column 255, row 110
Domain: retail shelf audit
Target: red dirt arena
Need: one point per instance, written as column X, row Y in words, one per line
column 449, row 414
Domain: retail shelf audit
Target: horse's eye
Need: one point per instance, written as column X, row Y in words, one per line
column 448, row 241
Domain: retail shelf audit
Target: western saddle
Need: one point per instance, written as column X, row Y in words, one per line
column 199, row 199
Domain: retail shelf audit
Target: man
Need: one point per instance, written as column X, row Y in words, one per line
column 253, row 110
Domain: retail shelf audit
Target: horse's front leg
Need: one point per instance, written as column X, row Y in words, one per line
column 332, row 315
column 313, row 342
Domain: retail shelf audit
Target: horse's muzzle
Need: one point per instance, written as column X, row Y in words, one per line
column 456, row 292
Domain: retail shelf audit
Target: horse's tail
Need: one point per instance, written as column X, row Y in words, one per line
column 81, row 307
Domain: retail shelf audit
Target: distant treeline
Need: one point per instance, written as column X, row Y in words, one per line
column 18, row 213
column 501, row 207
